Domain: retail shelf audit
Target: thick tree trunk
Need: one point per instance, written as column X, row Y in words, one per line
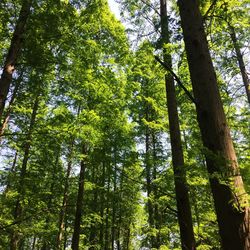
column 65, row 199
column 13, row 53
column 79, row 204
column 181, row 188
column 226, row 183
column 241, row 63
column 15, row 237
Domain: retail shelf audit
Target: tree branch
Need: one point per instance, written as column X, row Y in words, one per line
column 177, row 79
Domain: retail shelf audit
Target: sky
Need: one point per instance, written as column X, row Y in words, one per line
column 114, row 8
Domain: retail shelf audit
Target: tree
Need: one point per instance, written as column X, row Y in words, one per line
column 181, row 188
column 227, row 186
column 13, row 53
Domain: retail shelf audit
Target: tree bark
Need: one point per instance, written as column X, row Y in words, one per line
column 226, row 183
column 13, row 54
column 241, row 63
column 79, row 203
column 181, row 189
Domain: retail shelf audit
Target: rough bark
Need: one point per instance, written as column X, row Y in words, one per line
column 79, row 203
column 226, row 183
column 241, row 63
column 181, row 188
column 13, row 54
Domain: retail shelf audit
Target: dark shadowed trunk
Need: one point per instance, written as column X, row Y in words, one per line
column 181, row 188
column 79, row 203
column 13, row 54
column 226, row 183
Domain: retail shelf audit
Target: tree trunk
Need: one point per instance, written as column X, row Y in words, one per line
column 13, row 53
column 21, row 186
column 7, row 115
column 241, row 63
column 79, row 204
column 107, row 211
column 102, row 194
column 114, row 203
column 226, row 183
column 157, row 219
column 46, row 241
column 94, row 208
column 65, row 199
column 181, row 188
column 149, row 184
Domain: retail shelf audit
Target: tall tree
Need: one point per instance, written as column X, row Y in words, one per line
column 13, row 53
column 227, row 186
column 181, row 188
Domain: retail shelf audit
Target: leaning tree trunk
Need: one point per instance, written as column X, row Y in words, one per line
column 181, row 189
column 79, row 203
column 13, row 54
column 226, row 183
column 241, row 63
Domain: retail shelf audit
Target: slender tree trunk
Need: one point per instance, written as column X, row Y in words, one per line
column 13, row 54
column 119, row 223
column 114, row 203
column 79, row 204
column 107, row 232
column 65, row 245
column 148, row 167
column 21, row 186
column 65, row 199
column 94, row 208
column 102, row 206
column 241, row 63
column 181, row 188
column 46, row 244
column 226, row 183
column 12, row 171
column 156, row 206
column 34, row 243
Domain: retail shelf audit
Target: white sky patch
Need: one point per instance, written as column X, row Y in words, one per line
column 114, row 8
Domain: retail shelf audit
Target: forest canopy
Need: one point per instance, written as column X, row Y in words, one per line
column 124, row 134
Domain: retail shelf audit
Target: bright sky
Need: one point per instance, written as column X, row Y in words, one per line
column 114, row 8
